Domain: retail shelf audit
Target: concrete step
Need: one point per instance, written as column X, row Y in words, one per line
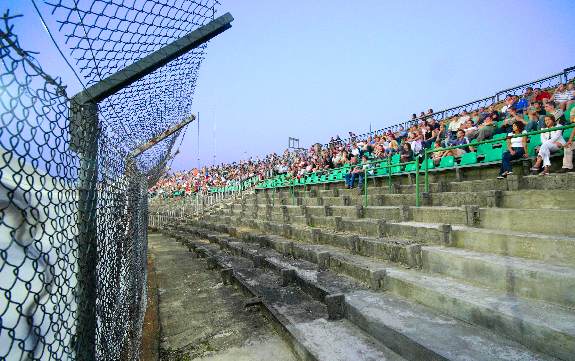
column 449, row 215
column 302, row 317
column 419, row 333
column 540, row 325
column 548, row 221
column 389, row 213
column 487, row 184
column 539, row 199
column 424, row 233
column 549, row 248
column 413, row 331
column 515, row 276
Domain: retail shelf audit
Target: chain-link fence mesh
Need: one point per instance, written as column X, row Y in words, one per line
column 73, row 213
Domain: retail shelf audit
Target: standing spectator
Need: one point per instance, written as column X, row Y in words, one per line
column 516, row 149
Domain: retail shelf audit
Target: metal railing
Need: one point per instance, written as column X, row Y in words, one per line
column 551, row 81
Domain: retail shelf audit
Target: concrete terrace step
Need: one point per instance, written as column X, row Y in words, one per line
column 541, row 199
column 548, row 221
column 540, row 325
column 413, row 331
column 548, row 248
column 395, row 320
column 516, row 276
column 303, row 317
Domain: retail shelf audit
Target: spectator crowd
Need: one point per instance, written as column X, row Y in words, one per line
column 535, row 109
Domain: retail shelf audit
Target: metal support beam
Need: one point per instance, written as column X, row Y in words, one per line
column 149, row 144
column 155, row 60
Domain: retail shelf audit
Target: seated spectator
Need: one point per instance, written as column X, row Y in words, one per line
column 563, row 96
column 485, row 130
column 532, row 123
column 406, row 155
column 509, row 103
column 541, row 95
column 521, row 104
column 550, row 142
column 453, row 127
column 568, row 150
column 460, row 140
column 516, row 149
column 393, row 147
column 357, row 171
column 551, row 109
column 436, row 156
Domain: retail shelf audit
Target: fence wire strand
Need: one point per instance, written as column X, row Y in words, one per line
column 74, row 216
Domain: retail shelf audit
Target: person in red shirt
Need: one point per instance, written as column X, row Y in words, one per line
column 539, row 94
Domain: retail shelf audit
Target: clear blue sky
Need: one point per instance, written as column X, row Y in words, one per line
column 313, row 69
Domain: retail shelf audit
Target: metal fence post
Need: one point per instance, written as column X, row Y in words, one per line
column 84, row 139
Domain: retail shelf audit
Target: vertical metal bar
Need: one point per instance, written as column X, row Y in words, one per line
column 426, row 167
column 365, row 187
column 389, row 173
column 292, row 193
column 417, row 181
column 87, row 133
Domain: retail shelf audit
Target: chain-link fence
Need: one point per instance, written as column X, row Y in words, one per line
column 73, row 200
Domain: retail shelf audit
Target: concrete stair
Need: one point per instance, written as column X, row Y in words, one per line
column 481, row 259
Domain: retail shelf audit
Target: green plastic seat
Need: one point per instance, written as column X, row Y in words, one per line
column 494, row 155
column 468, row 158
column 430, row 164
column 410, row 167
column 567, row 133
column 447, row 162
column 381, row 171
column 395, row 159
column 569, row 112
column 396, row 169
column 534, row 142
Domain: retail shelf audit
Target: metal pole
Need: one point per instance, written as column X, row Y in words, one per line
column 426, row 167
column 389, row 173
column 365, row 187
column 292, row 193
column 417, row 181
column 87, row 146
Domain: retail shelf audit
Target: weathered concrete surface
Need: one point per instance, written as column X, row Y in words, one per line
column 200, row 319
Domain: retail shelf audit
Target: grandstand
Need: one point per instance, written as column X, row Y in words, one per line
column 434, row 259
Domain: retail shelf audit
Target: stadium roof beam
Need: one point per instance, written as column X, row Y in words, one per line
column 153, row 61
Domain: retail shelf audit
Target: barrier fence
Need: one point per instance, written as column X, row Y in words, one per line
column 75, row 171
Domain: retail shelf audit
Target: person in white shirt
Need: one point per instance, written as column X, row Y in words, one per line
column 550, row 142
column 516, row 148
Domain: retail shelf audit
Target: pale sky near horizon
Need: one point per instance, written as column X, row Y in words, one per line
column 313, row 69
